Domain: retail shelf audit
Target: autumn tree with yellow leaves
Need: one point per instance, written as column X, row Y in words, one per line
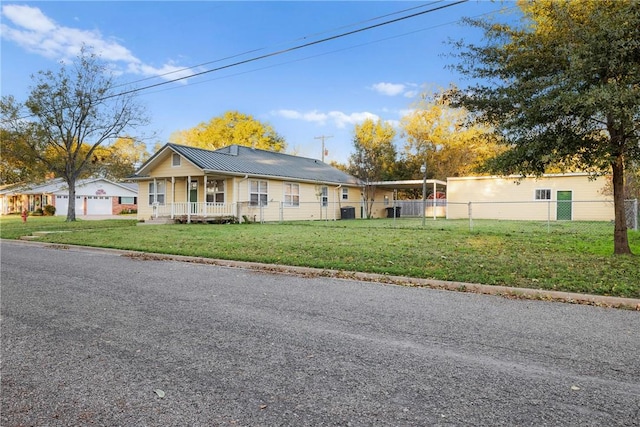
column 374, row 157
column 446, row 138
column 231, row 128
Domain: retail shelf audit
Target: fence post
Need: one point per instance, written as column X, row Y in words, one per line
column 635, row 214
column 470, row 217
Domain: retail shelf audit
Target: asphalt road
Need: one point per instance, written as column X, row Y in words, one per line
column 94, row 338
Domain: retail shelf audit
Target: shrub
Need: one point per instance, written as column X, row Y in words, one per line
column 49, row 210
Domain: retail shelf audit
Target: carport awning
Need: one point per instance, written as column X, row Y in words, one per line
column 408, row 184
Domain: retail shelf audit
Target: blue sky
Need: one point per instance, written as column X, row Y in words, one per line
column 324, row 89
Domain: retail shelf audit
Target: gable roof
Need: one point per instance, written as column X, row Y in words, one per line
column 59, row 186
column 239, row 160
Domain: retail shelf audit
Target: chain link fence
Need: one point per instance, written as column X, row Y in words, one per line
column 574, row 216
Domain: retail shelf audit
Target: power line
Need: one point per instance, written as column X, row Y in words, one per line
column 264, row 48
column 329, row 52
column 283, row 51
column 280, row 52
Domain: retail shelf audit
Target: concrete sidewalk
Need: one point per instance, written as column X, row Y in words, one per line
column 101, row 217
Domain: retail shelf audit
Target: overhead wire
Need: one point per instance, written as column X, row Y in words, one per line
column 265, row 48
column 329, row 52
column 283, row 51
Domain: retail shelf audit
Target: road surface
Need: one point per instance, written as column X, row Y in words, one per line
column 90, row 337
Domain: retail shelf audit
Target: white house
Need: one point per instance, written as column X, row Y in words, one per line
column 94, row 196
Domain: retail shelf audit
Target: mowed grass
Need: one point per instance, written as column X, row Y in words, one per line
column 572, row 256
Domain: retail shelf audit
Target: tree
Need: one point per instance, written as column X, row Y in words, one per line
column 374, row 157
column 72, row 112
column 446, row 138
column 118, row 160
column 563, row 89
column 232, row 127
column 16, row 164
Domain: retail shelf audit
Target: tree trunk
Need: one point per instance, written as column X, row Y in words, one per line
column 71, row 209
column 620, row 236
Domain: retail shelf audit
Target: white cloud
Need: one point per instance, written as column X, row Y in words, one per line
column 407, row 90
column 341, row 119
column 389, row 89
column 338, row 118
column 311, row 116
column 29, row 18
column 32, row 30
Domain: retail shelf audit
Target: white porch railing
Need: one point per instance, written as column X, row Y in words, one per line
column 199, row 209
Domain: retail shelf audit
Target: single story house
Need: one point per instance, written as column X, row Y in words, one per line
column 570, row 196
column 94, row 196
column 189, row 183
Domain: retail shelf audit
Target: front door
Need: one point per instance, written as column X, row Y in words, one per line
column 193, row 196
column 564, row 208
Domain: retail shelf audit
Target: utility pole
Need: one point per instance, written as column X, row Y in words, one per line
column 323, row 137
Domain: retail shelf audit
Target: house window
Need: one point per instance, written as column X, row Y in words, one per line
column 126, row 200
column 156, row 192
column 291, row 194
column 324, row 194
column 175, row 159
column 543, row 194
column 215, row 191
column 345, row 194
column 258, row 193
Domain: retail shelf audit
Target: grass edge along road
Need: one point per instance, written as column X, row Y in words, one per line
column 571, row 257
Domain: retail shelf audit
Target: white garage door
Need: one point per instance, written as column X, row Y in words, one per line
column 95, row 205
column 62, row 204
column 98, row 205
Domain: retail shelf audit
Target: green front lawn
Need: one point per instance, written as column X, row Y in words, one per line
column 572, row 256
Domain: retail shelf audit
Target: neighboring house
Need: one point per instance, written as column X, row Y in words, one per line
column 244, row 183
column 571, row 196
column 94, row 196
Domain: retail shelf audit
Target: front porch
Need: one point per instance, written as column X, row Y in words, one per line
column 194, row 211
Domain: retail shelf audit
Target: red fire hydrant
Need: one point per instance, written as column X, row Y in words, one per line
column 24, row 215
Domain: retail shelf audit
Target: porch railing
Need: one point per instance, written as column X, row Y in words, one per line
column 202, row 209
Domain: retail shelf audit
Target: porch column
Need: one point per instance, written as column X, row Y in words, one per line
column 173, row 196
column 205, row 195
column 189, row 199
column 155, row 198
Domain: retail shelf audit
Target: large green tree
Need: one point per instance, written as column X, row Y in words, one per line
column 71, row 113
column 232, row 127
column 374, row 156
column 563, row 88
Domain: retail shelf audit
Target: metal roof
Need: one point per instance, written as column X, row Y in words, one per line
column 241, row 160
